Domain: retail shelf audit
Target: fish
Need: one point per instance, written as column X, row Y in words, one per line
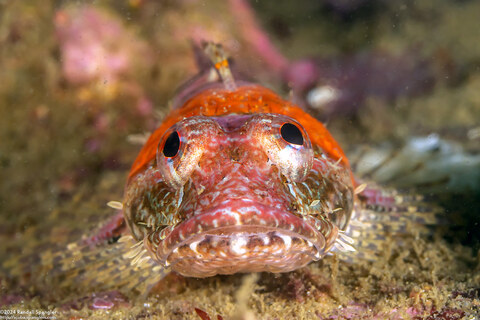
column 237, row 179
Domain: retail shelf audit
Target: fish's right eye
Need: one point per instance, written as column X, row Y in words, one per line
column 172, row 145
column 182, row 146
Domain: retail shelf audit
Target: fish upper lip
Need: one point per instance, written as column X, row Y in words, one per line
column 249, row 218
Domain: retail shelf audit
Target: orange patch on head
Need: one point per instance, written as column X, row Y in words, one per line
column 244, row 100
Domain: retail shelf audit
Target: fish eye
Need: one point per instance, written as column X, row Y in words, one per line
column 285, row 142
column 172, row 145
column 291, row 133
column 182, row 146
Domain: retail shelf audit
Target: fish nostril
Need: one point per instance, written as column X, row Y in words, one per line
column 234, row 155
column 292, row 134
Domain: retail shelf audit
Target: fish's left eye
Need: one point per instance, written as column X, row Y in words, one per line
column 285, row 142
column 292, row 134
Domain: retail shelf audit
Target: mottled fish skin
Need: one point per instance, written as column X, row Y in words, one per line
column 237, row 196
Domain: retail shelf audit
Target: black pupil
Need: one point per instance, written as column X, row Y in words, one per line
column 292, row 134
column 172, row 144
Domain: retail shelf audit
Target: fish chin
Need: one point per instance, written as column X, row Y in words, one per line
column 241, row 236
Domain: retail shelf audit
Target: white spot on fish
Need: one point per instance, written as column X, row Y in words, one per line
column 287, row 240
column 193, row 246
column 237, row 245
column 265, row 239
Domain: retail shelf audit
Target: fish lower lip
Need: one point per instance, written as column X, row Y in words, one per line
column 241, row 236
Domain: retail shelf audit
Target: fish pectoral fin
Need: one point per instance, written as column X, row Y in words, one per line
column 384, row 216
column 124, row 264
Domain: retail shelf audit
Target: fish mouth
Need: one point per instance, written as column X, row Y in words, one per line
column 241, row 236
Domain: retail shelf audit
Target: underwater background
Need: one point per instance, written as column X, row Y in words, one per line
column 83, row 82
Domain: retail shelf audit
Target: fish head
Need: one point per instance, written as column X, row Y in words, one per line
column 239, row 193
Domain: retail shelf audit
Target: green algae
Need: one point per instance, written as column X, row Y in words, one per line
column 53, row 190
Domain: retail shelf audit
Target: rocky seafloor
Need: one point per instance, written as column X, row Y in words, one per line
column 82, row 82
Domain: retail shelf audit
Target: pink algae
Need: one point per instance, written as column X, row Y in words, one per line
column 96, row 46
